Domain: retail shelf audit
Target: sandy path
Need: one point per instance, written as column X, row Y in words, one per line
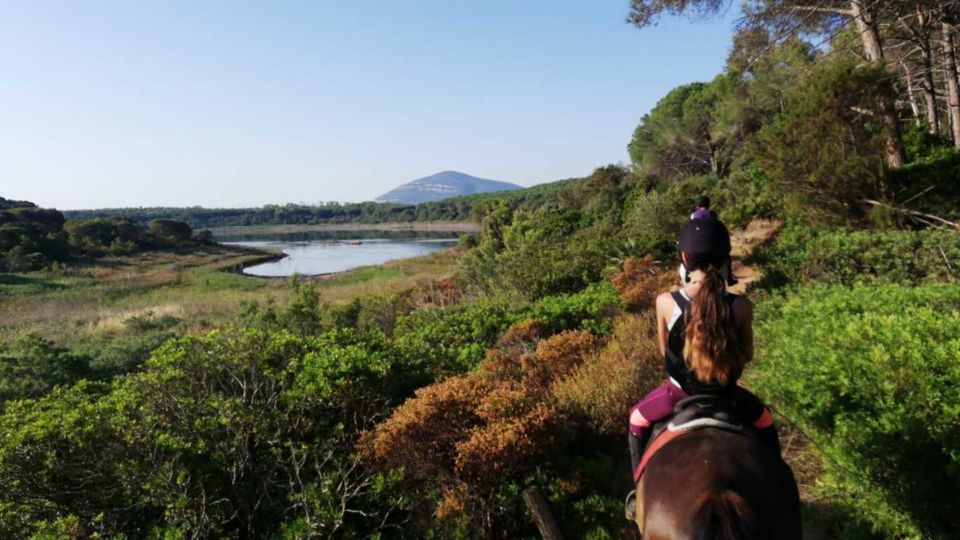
column 744, row 241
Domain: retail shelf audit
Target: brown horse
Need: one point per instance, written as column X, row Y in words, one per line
column 714, row 484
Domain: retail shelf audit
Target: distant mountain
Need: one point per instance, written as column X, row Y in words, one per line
column 443, row 185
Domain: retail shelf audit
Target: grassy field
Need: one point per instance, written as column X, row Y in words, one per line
column 97, row 302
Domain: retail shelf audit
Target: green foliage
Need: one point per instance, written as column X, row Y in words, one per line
column 919, row 143
column 653, row 219
column 844, row 257
column 592, row 310
column 205, row 237
column 303, row 314
column 826, row 149
column 34, row 365
column 551, row 250
column 677, row 139
column 871, row 374
column 246, row 432
column 446, row 341
column 30, row 237
column 744, row 196
column 541, row 255
column 467, row 241
column 930, row 183
column 763, row 70
column 101, row 236
column 61, row 460
column 600, row 197
column 170, row 230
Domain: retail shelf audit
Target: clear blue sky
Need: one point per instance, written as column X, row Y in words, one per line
column 225, row 104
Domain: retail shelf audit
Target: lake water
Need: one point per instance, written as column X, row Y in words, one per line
column 316, row 253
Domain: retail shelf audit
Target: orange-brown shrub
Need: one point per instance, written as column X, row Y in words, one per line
column 467, row 435
column 506, row 446
column 522, row 336
column 435, row 293
column 602, row 389
column 557, row 357
column 500, row 364
column 421, row 435
column 641, row 280
column 506, row 400
column 454, row 501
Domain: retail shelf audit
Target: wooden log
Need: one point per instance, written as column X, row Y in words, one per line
column 542, row 516
column 915, row 214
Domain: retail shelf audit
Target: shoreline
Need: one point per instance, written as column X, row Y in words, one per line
column 425, row 226
column 269, row 255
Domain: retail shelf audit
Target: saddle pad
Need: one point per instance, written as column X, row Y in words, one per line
column 655, row 445
column 703, row 422
column 673, row 431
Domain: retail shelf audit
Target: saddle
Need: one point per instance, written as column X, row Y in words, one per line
column 690, row 414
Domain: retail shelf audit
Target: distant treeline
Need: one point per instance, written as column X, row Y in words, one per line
column 462, row 208
column 32, row 238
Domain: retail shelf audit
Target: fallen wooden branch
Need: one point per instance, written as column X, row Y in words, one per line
column 915, row 213
column 542, row 516
column 945, row 259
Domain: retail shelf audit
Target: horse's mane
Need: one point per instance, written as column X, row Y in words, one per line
column 723, row 515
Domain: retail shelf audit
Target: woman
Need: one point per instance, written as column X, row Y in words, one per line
column 705, row 336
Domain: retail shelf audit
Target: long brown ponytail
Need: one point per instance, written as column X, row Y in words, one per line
column 712, row 345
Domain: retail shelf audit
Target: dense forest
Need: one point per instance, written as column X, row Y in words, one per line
column 461, row 208
column 33, row 238
column 427, row 412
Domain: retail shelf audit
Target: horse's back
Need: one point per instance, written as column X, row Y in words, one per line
column 712, row 483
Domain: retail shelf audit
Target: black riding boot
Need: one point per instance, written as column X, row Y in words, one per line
column 771, row 438
column 637, row 445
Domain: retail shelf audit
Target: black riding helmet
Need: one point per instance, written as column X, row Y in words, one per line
column 705, row 236
column 706, row 242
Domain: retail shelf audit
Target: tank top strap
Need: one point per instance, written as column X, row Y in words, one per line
column 681, row 299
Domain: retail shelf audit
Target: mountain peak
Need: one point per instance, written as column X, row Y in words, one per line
column 443, row 185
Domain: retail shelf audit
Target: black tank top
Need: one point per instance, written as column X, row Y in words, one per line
column 673, row 360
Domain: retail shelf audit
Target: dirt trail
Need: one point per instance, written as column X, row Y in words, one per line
column 744, row 241
column 796, row 446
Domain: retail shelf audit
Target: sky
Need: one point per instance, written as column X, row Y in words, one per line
column 236, row 104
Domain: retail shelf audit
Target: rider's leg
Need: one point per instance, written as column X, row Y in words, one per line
column 637, row 435
column 767, row 431
column 655, row 406
column 752, row 408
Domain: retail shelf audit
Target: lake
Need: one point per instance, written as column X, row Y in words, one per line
column 316, row 253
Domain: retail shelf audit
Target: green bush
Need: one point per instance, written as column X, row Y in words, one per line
column 845, row 257
column 33, row 365
column 826, row 155
column 872, row 375
column 745, row 196
column 446, row 341
column 241, row 433
column 592, row 309
column 653, row 219
column 931, row 183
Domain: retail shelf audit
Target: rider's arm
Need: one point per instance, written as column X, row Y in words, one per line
column 743, row 313
column 664, row 311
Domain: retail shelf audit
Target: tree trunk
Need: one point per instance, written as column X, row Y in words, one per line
column 930, row 91
column 872, row 48
column 867, row 28
column 927, row 84
column 953, row 92
column 914, row 106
